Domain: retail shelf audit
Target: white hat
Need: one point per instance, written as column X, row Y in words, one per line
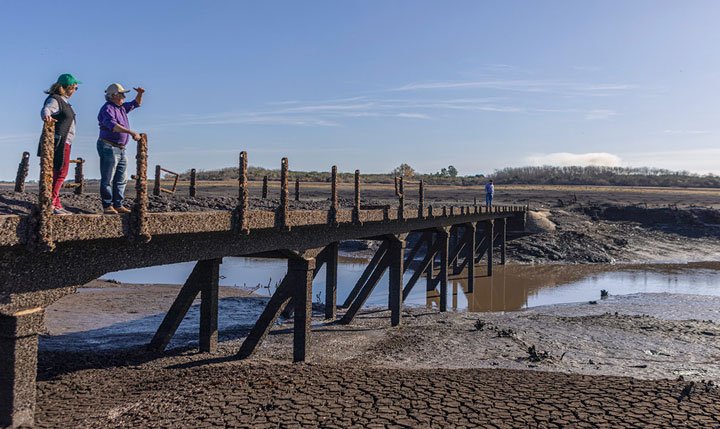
column 115, row 88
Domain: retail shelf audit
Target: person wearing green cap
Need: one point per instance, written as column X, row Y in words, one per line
column 58, row 110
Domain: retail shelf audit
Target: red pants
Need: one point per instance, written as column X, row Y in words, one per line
column 59, row 177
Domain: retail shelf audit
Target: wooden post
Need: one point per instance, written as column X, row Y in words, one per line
column 22, row 172
column 421, row 199
column 156, row 187
column 356, row 207
column 265, row 187
column 401, row 199
column 396, row 253
column 297, row 189
column 331, row 268
column 283, row 209
column 333, row 196
column 193, row 189
column 79, row 176
column 138, row 217
column 241, row 221
column 44, row 209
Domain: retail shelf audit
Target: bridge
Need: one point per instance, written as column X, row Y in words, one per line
column 45, row 257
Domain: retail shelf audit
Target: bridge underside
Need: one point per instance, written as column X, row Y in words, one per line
column 31, row 280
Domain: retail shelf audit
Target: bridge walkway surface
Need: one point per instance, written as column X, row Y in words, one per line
column 45, row 257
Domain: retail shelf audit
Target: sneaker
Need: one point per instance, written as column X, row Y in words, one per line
column 110, row 210
column 60, row 211
column 122, row 210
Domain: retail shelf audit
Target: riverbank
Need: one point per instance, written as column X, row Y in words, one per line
column 622, row 361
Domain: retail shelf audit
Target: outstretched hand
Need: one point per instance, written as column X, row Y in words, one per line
column 139, row 90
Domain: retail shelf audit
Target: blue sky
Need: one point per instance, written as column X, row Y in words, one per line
column 479, row 85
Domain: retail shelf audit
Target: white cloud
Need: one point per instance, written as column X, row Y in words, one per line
column 599, row 114
column 685, row 132
column 581, row 159
column 524, row 85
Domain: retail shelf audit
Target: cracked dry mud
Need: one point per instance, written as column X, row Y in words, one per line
column 645, row 366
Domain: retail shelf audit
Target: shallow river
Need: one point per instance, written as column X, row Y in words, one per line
column 511, row 287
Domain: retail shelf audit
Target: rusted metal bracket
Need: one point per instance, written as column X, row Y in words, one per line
column 79, row 183
column 158, row 186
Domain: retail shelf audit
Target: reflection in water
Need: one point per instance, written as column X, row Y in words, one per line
column 512, row 287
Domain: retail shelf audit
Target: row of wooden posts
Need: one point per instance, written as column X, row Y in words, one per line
column 78, row 185
column 138, row 220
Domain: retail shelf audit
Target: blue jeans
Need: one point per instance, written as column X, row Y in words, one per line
column 488, row 200
column 113, row 177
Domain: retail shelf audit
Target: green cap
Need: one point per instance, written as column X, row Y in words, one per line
column 67, row 79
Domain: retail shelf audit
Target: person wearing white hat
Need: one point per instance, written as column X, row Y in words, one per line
column 115, row 132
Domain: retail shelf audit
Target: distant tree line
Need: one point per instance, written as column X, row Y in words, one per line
column 545, row 175
column 598, row 175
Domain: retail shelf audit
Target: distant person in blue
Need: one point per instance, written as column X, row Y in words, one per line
column 114, row 135
column 489, row 191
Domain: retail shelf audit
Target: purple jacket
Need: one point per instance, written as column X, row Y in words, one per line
column 111, row 115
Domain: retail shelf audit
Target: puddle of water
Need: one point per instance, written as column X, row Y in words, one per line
column 511, row 287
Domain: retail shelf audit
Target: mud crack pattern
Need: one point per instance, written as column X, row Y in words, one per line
column 271, row 395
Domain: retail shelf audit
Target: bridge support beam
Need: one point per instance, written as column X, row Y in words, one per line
column 331, row 270
column 301, row 272
column 396, row 254
column 203, row 280
column 18, row 366
column 366, row 274
column 503, row 237
column 443, row 238
column 295, row 286
column 389, row 256
column 489, row 236
column 470, row 255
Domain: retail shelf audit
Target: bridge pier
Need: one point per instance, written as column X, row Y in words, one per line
column 489, row 235
column 294, row 289
column 470, row 231
column 331, row 270
column 204, row 280
column 18, row 366
column 396, row 253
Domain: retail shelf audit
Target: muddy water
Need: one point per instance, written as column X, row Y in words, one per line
column 511, row 287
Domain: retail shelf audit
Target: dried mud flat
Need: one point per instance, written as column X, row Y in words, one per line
column 627, row 361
